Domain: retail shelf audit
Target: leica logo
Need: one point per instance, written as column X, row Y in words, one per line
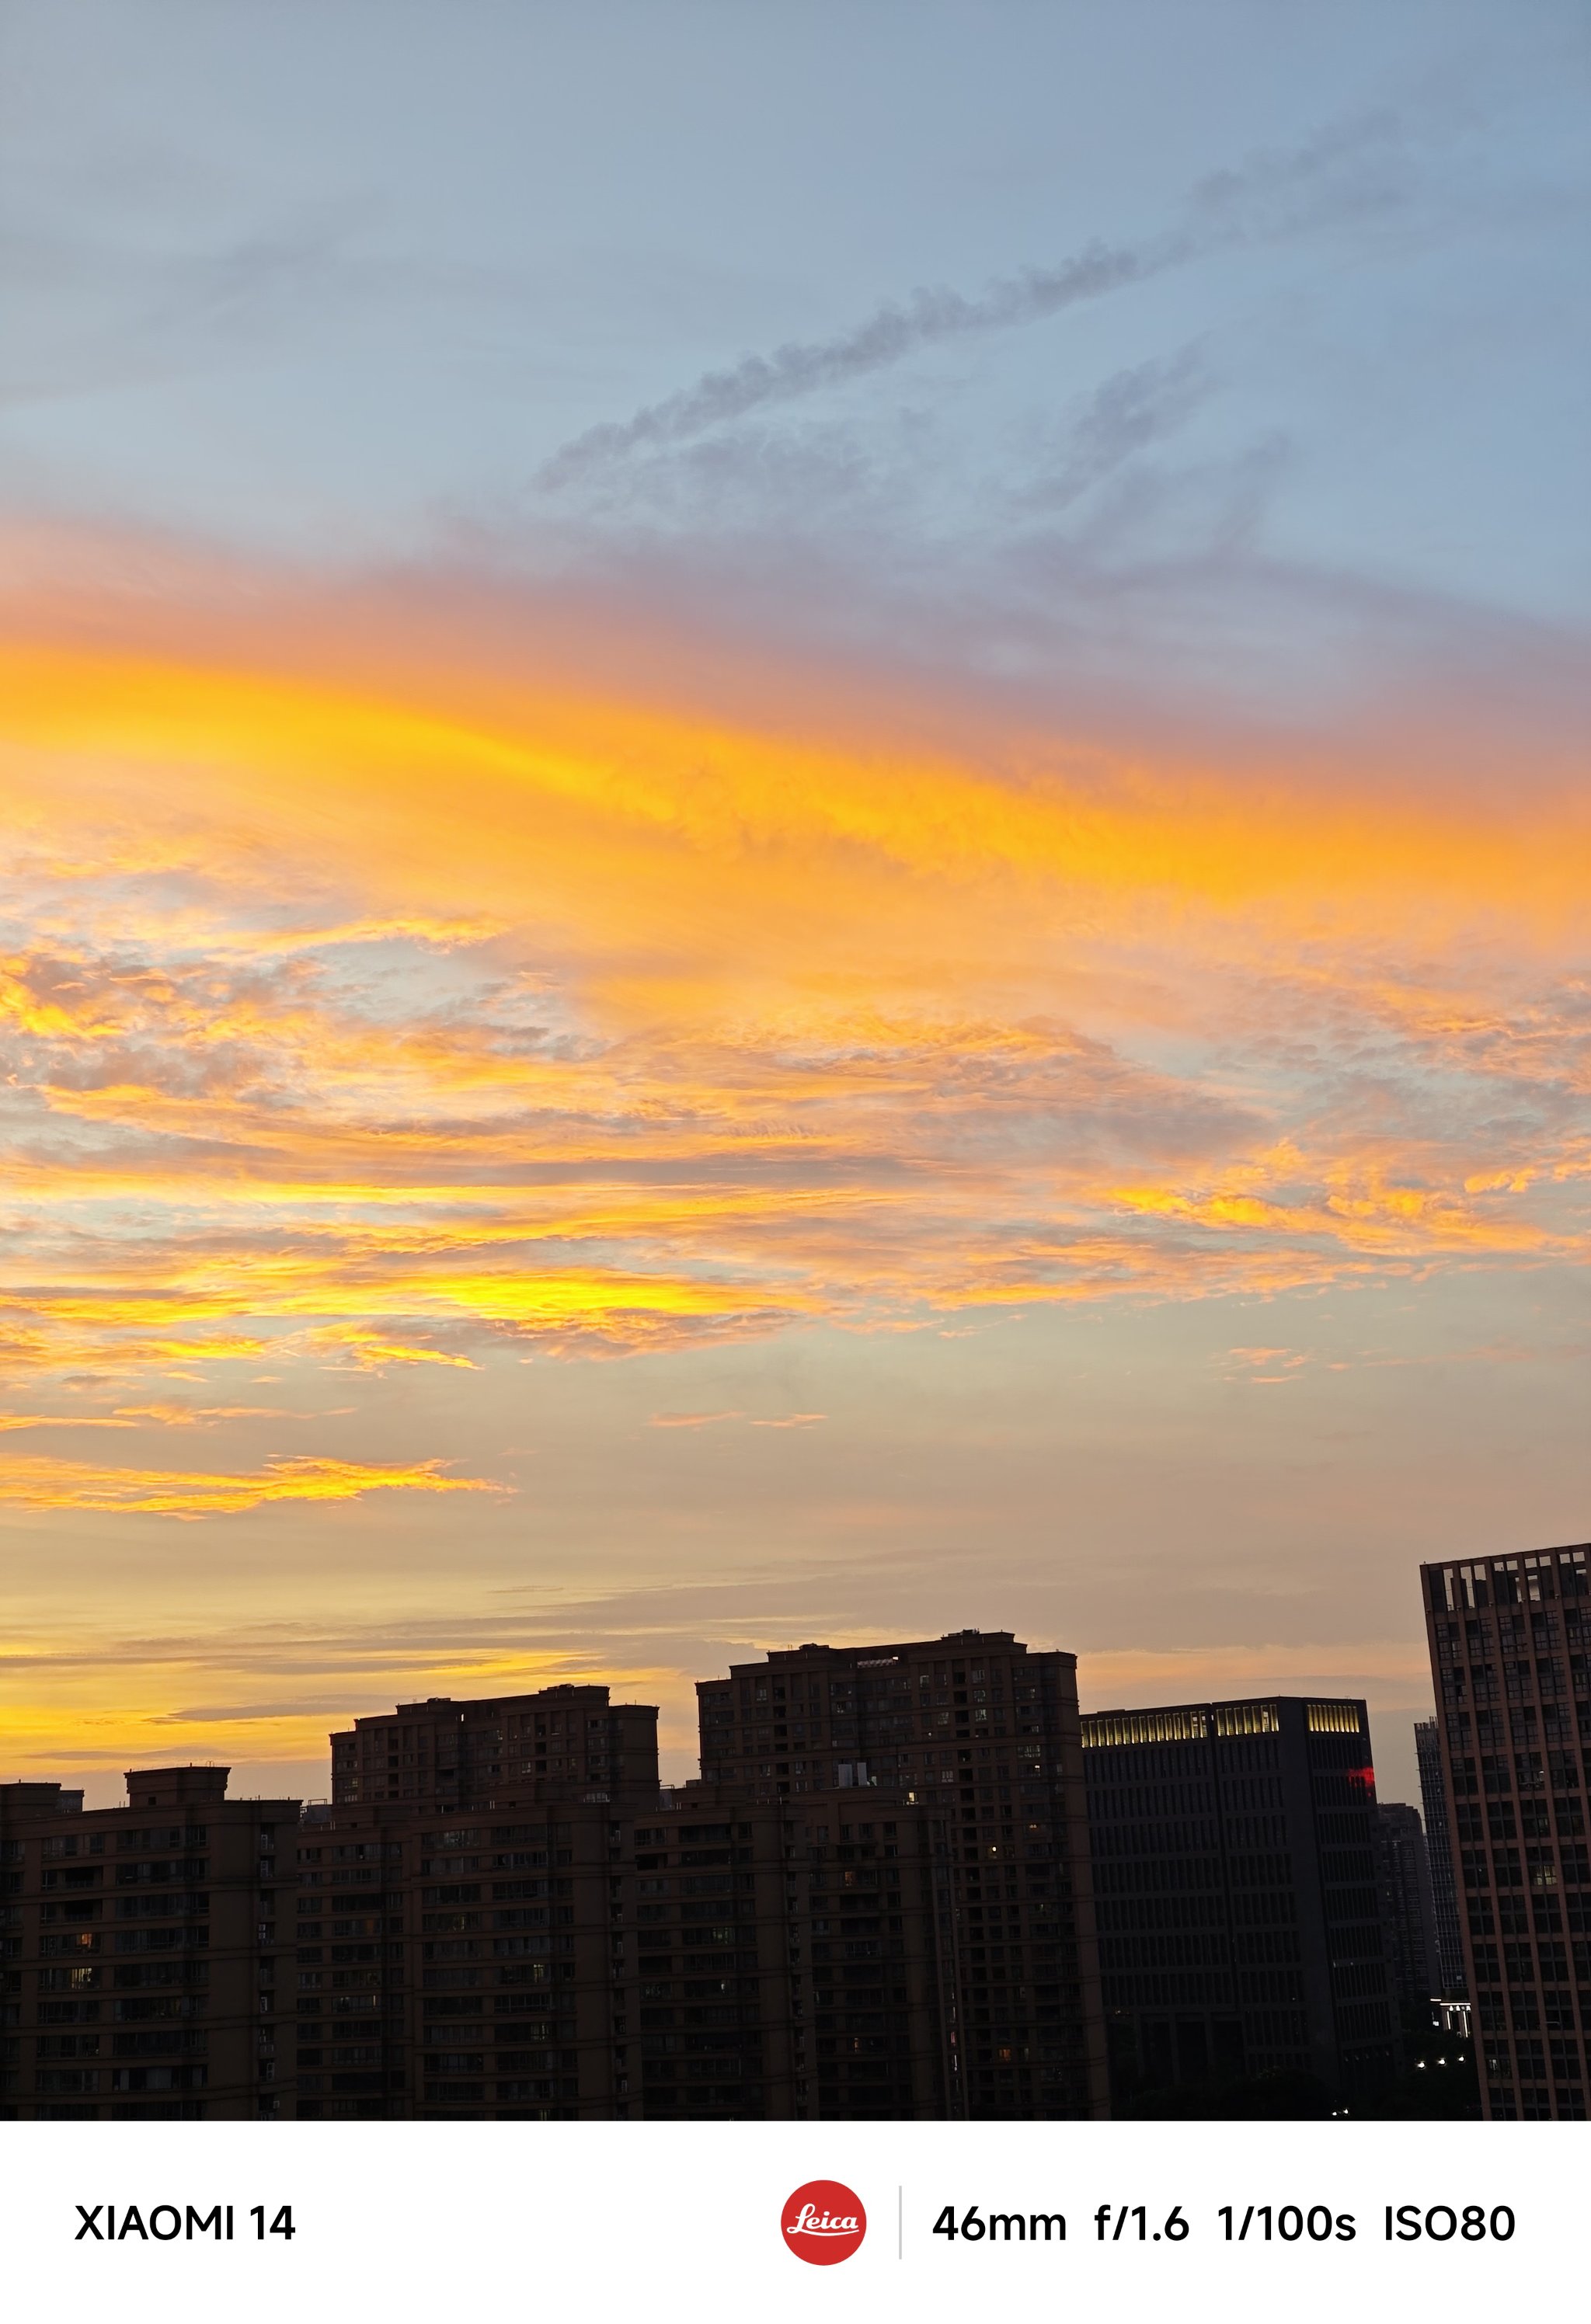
column 810, row 2221
column 823, row 2222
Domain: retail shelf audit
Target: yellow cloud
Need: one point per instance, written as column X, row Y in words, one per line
column 407, row 1007
column 47, row 1484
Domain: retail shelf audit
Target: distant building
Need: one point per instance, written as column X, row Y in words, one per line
column 446, row 1752
column 1240, row 1924
column 1408, row 1910
column 502, row 1914
column 970, row 1745
column 911, row 1883
column 527, row 1973
column 1511, row 1658
column 1438, row 1844
column 144, row 1967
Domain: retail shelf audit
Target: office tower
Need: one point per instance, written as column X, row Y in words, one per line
column 456, row 1752
column 1433, row 1796
column 1511, row 1659
column 139, row 1951
column 1235, row 1895
column 1407, row 1909
column 972, row 1742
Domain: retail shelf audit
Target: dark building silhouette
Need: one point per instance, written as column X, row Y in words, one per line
column 1408, row 1912
column 1511, row 1658
column 445, row 1751
column 976, row 1743
column 528, row 1981
column 1236, row 1897
column 461, row 1933
column 841, row 2014
column 1433, row 1797
column 140, row 1967
column 892, row 1894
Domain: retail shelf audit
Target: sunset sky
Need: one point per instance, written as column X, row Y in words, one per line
column 796, row 846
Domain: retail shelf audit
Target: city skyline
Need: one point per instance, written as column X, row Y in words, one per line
column 909, row 1882
column 441, row 1711
column 795, row 836
column 100, row 1772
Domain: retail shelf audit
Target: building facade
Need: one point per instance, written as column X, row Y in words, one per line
column 1236, row 1895
column 572, row 1956
column 463, row 1933
column 1511, row 1659
column 1433, row 1799
column 970, row 1746
column 449, row 1752
column 910, row 1882
column 1404, row 1869
column 144, row 1965
column 833, row 2005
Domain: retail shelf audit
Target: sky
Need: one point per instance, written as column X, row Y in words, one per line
column 795, row 846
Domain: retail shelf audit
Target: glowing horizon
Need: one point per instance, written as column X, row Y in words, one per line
column 654, row 996
column 406, row 1130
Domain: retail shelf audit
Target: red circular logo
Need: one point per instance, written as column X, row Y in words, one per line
column 823, row 2222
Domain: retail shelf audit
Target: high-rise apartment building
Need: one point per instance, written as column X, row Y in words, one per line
column 145, row 1950
column 574, row 1957
column 1404, row 1869
column 969, row 1745
column 460, row 1934
column 1511, row 1658
column 1235, row 1894
column 455, row 1752
column 836, row 2003
column 889, row 1895
column 461, row 1964
column 1439, row 1845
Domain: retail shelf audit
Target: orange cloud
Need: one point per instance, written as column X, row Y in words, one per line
column 206, row 763
column 47, row 1484
column 362, row 1015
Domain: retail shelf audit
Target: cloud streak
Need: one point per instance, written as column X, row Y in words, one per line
column 41, row 1483
column 1348, row 172
column 587, row 1069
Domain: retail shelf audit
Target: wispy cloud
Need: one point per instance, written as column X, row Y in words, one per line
column 1348, row 170
column 585, row 1070
column 41, row 1483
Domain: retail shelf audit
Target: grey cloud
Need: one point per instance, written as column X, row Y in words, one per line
column 1126, row 414
column 1349, row 171
column 888, row 335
